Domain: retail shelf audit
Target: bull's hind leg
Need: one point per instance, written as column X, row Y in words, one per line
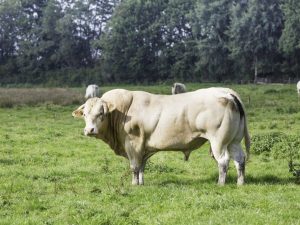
column 221, row 155
column 223, row 164
column 238, row 155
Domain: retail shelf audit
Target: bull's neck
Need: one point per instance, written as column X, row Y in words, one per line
column 112, row 134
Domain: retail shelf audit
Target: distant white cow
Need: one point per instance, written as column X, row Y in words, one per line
column 298, row 88
column 92, row 91
column 178, row 88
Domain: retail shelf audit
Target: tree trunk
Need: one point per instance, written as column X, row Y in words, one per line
column 255, row 70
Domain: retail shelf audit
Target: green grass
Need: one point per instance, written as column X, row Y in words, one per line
column 51, row 174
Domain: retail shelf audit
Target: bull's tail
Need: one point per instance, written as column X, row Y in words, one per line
column 247, row 139
column 241, row 109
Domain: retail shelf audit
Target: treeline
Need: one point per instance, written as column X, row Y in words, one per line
column 76, row 42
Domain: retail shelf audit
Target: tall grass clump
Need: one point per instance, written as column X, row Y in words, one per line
column 10, row 97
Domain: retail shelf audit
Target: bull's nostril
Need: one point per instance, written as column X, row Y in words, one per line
column 92, row 130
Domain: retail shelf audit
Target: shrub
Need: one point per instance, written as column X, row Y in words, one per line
column 277, row 145
column 287, row 148
column 265, row 142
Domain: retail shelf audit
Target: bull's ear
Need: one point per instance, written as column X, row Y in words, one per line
column 108, row 107
column 111, row 106
column 78, row 113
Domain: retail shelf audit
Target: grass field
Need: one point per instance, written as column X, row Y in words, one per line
column 51, row 174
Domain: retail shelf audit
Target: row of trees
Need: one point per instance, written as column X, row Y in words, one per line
column 81, row 41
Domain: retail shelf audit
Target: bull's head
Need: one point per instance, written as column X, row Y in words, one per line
column 94, row 112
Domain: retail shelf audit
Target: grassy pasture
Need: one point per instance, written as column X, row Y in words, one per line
column 51, row 174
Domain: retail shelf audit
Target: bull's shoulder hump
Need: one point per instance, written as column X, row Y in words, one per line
column 115, row 93
column 121, row 98
column 119, row 90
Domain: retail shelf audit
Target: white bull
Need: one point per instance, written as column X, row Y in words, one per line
column 138, row 124
column 92, row 91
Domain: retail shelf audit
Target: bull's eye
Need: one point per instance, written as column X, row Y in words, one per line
column 99, row 114
column 84, row 114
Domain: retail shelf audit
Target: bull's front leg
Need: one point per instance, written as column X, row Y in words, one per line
column 135, row 176
column 138, row 174
column 138, row 171
column 141, row 172
column 135, row 156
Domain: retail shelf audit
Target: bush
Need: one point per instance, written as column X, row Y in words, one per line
column 265, row 142
column 277, row 145
column 287, row 148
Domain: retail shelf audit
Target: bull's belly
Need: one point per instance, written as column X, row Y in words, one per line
column 176, row 142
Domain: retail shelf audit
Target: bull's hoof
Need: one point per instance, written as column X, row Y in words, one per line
column 240, row 182
column 221, row 182
column 135, row 183
column 141, row 182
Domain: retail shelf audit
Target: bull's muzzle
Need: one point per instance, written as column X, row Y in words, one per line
column 90, row 131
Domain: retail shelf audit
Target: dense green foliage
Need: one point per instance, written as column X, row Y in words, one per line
column 51, row 174
column 51, row 41
column 290, row 39
column 79, row 42
column 254, row 35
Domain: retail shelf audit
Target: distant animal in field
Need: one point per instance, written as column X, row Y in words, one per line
column 137, row 124
column 178, row 88
column 298, row 88
column 92, row 91
column 262, row 80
